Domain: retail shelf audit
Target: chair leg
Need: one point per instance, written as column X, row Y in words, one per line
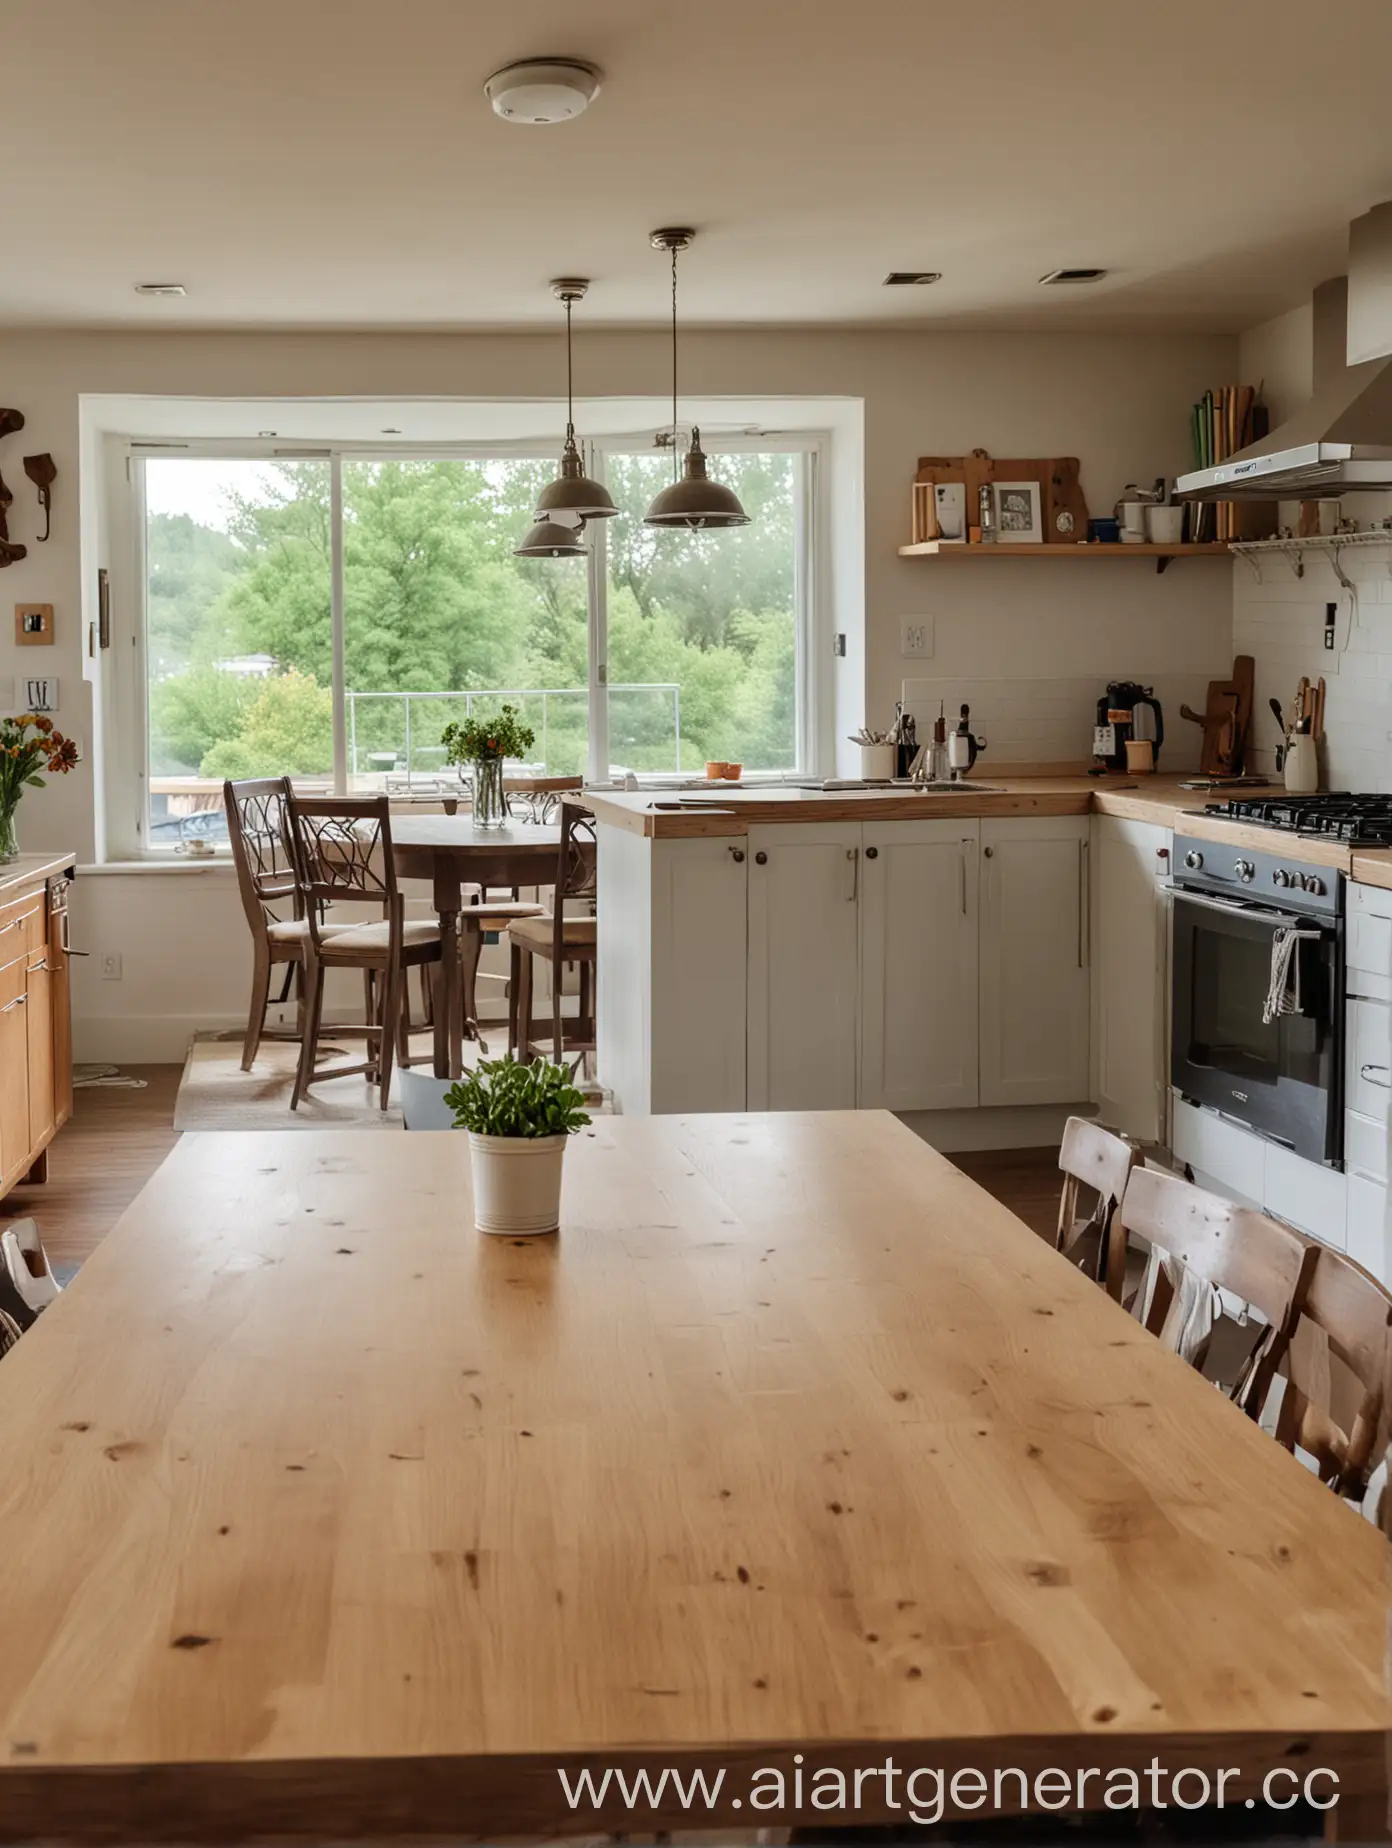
column 427, row 982
column 557, row 1025
column 256, row 1014
column 470, row 952
column 285, row 986
column 309, row 1038
column 403, row 1021
column 524, row 1007
column 514, row 984
column 392, row 979
column 373, row 1042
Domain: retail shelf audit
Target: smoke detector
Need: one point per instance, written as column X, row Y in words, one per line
column 541, row 90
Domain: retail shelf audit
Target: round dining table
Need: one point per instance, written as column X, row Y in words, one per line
column 451, row 852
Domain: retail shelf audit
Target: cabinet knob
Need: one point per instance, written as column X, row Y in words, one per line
column 988, row 851
column 761, row 858
column 737, row 854
column 872, row 853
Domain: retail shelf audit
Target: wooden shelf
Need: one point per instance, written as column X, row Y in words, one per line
column 935, row 548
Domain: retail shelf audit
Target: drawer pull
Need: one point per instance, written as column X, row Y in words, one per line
column 10, row 1007
column 1384, row 1083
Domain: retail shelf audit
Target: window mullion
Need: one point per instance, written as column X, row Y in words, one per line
column 340, row 700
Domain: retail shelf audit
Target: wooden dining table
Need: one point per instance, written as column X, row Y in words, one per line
column 452, row 852
column 794, row 1454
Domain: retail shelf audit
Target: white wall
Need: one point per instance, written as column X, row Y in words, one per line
column 1119, row 402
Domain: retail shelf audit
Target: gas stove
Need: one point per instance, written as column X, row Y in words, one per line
column 1364, row 821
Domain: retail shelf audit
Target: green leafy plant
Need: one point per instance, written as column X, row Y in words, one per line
column 503, row 1097
column 478, row 739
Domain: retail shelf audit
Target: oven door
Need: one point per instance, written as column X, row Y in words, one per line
column 1283, row 1078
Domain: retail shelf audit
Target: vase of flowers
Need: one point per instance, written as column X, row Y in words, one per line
column 519, row 1118
column 483, row 744
column 28, row 745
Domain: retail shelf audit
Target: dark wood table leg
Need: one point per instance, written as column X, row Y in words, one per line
column 470, row 954
column 449, row 1012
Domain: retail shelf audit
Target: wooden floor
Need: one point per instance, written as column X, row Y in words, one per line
column 117, row 1139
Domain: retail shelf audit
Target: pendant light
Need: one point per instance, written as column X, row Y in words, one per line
column 572, row 493
column 549, row 539
column 693, row 500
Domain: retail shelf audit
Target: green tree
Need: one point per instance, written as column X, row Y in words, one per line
column 191, row 712
column 286, row 731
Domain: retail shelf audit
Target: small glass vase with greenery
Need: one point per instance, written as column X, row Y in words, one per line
column 519, row 1118
column 28, row 745
column 484, row 743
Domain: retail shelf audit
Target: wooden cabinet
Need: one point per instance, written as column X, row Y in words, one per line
column 1130, row 975
column 35, row 1030
column 1034, row 971
column 803, row 996
column 918, row 965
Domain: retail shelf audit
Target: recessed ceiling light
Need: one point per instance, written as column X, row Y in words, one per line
column 905, row 279
column 539, row 90
column 391, row 430
column 268, row 432
column 1058, row 276
column 160, row 288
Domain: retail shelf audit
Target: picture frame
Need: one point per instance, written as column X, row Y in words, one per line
column 1019, row 512
column 33, row 625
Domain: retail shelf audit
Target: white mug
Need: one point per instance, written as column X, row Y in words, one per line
column 1165, row 525
column 196, row 848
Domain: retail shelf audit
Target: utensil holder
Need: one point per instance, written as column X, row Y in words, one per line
column 1301, row 766
column 878, row 762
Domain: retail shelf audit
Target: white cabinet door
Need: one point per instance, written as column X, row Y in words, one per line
column 918, row 964
column 1367, row 1223
column 1034, row 961
column 804, row 890
column 699, row 1025
column 1130, row 974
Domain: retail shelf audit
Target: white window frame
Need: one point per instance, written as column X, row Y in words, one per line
column 126, row 769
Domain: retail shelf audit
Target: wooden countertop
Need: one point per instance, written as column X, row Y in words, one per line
column 29, row 871
column 1154, row 799
column 326, row 1516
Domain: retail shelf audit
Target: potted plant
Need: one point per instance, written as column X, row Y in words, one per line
column 519, row 1118
column 28, row 744
column 482, row 744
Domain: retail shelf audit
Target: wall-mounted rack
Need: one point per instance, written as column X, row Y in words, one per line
column 1321, row 545
column 1162, row 554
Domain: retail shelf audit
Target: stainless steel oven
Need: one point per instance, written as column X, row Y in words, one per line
column 1280, row 1076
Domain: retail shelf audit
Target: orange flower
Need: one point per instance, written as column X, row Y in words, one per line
column 42, row 724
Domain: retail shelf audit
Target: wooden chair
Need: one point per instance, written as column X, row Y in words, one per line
column 343, row 855
column 262, row 852
column 1337, row 1397
column 1216, row 1245
column 1095, row 1159
column 558, row 940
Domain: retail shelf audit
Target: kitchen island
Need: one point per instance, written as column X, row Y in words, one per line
column 925, row 952
column 794, row 1441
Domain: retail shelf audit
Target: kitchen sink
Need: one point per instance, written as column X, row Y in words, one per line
column 969, row 787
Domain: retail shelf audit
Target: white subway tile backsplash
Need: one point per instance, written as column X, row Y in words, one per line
column 1028, row 720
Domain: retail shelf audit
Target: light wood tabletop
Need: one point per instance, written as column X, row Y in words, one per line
column 323, row 1515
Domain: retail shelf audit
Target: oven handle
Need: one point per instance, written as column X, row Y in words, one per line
column 1259, row 914
column 1366, row 1073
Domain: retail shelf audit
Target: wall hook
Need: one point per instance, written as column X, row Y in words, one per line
column 42, row 472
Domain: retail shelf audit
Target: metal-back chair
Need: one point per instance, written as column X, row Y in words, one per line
column 559, row 939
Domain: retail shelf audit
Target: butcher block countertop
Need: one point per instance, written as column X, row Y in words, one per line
column 325, row 1516
column 702, row 813
column 30, row 871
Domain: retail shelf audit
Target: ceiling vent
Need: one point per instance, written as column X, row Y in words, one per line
column 160, row 288
column 909, row 279
column 1059, row 276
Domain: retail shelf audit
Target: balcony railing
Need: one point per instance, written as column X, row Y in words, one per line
column 404, row 744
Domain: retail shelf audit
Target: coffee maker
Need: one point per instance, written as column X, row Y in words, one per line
column 1125, row 711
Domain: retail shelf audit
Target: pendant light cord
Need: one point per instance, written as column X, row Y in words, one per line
column 570, row 387
column 676, row 468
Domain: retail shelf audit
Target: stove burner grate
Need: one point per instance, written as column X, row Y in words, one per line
column 1352, row 819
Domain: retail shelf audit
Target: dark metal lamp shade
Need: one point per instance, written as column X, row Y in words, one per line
column 696, row 501
column 547, row 539
column 573, row 492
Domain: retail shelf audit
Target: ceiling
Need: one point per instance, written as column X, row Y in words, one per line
column 334, row 163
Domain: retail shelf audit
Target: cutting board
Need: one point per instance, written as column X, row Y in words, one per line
column 1226, row 720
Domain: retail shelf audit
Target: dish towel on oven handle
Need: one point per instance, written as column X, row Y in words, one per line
column 1283, row 992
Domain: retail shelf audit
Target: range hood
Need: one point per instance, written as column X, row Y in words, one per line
column 1341, row 441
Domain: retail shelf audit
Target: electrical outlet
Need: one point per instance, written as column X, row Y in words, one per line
column 916, row 637
column 111, row 966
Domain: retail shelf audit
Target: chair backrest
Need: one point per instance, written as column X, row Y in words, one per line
column 1338, row 1392
column 577, row 866
column 1096, row 1158
column 343, row 853
column 258, row 826
column 1235, row 1248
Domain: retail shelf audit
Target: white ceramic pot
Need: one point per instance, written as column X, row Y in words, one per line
column 517, row 1182
column 1165, row 525
column 878, row 761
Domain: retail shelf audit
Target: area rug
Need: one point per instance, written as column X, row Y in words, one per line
column 215, row 1093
